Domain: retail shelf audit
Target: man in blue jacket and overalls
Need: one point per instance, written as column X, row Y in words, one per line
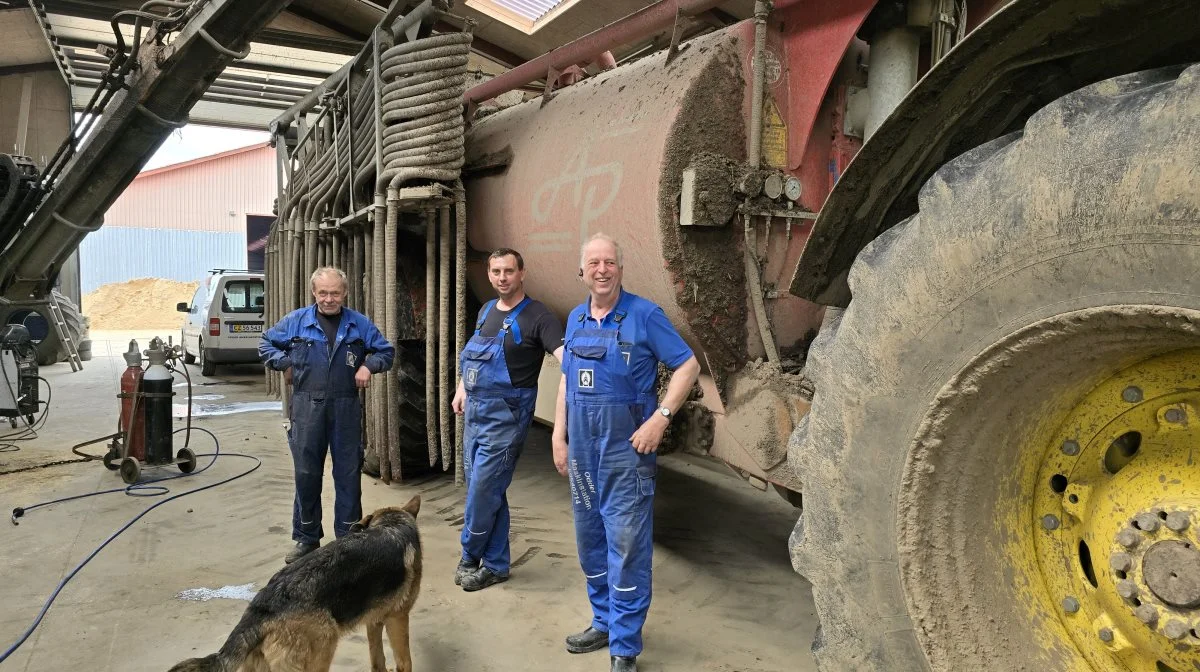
column 497, row 391
column 332, row 352
column 608, row 424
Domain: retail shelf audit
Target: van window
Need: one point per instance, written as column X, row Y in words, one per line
column 243, row 296
column 198, row 300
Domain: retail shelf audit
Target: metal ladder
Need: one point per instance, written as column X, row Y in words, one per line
column 64, row 334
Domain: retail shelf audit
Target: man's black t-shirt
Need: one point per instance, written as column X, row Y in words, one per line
column 330, row 324
column 541, row 333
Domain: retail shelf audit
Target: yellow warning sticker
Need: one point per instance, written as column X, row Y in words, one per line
column 774, row 137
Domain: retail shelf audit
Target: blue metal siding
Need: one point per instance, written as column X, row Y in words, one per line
column 117, row 254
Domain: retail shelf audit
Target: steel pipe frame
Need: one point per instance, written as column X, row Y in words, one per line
column 638, row 25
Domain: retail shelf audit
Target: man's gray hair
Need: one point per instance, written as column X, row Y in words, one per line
column 604, row 237
column 328, row 270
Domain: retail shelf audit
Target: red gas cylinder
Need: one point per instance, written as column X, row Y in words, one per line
column 133, row 407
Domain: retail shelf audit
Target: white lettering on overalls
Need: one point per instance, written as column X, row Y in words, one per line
column 577, row 487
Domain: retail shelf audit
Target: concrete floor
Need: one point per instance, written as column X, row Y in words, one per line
column 725, row 599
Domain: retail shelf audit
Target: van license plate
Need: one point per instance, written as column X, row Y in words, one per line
column 250, row 328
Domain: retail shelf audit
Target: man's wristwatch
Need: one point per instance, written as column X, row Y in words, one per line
column 665, row 412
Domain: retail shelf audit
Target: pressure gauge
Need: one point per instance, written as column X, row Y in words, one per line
column 773, row 186
column 792, row 189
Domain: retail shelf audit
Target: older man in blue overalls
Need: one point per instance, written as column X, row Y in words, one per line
column 608, row 424
column 332, row 352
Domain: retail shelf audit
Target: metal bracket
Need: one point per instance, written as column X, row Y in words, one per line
column 552, row 74
column 676, row 35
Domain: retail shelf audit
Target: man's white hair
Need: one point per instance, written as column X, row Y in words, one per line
column 607, row 238
column 328, row 270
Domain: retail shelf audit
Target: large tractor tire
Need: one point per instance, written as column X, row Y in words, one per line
column 999, row 467
column 50, row 349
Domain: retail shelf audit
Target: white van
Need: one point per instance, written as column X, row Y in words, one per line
column 224, row 320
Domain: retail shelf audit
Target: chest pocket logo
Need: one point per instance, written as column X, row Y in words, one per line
column 472, row 376
column 586, row 379
column 350, row 359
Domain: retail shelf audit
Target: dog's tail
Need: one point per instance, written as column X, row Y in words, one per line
column 244, row 639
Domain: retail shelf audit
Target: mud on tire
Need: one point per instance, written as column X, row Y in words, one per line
column 1038, row 265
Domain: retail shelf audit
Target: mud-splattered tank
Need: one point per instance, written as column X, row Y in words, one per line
column 609, row 154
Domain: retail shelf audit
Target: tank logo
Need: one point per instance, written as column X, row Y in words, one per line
column 585, row 379
column 472, row 376
column 590, row 191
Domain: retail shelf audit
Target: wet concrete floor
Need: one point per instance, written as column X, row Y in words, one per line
column 175, row 583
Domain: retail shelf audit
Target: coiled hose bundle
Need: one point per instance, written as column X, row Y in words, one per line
column 422, row 108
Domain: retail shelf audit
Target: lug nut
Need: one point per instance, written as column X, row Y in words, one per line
column 1146, row 614
column 1175, row 629
column 1177, row 521
column 1128, row 537
column 1127, row 589
column 1070, row 605
column 1050, row 521
column 1174, row 415
column 1070, row 447
column 1146, row 522
column 1120, row 562
column 1132, row 394
column 1106, row 635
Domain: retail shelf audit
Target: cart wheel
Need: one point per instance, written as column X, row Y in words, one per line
column 130, row 470
column 110, row 460
column 29, row 420
column 188, row 463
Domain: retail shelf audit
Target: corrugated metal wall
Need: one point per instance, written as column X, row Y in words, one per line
column 177, row 222
column 213, row 194
column 117, row 254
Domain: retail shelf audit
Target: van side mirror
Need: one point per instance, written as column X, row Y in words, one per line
column 183, row 308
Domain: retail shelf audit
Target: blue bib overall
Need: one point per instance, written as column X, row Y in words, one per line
column 325, row 411
column 612, row 485
column 497, row 421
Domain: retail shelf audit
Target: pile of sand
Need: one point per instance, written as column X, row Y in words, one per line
column 142, row 303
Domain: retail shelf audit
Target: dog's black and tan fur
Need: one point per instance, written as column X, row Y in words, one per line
column 369, row 577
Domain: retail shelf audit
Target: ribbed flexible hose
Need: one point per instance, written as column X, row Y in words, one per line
column 422, row 108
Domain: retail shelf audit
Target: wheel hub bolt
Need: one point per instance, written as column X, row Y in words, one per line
column 1070, row 605
column 1050, row 521
column 1174, row 415
column 1132, row 394
column 1070, row 447
column 1127, row 589
column 1106, row 635
column 1175, row 629
column 1120, row 562
column 1146, row 522
column 1146, row 614
column 1128, row 537
column 1177, row 521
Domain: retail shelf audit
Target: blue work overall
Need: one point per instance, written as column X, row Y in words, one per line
column 496, row 424
column 612, row 485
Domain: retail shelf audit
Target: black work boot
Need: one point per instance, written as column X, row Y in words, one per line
column 587, row 641
column 464, row 568
column 482, row 579
column 624, row 664
column 299, row 551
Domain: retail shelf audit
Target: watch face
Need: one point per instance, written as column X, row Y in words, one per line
column 665, row 411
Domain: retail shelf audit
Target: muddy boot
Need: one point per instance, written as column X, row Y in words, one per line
column 464, row 568
column 482, row 579
column 587, row 641
column 624, row 664
column 301, row 549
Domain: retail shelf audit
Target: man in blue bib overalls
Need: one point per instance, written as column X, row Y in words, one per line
column 332, row 352
column 608, row 424
column 496, row 391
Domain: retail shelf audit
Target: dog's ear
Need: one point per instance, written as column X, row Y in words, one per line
column 413, row 505
column 362, row 524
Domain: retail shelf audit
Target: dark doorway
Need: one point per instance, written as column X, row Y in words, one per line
column 257, row 229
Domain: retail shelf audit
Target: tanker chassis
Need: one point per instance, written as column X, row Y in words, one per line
column 936, row 258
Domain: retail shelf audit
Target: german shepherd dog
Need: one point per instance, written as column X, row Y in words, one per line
column 370, row 576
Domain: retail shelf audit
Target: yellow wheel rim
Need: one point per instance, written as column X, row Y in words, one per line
column 1116, row 519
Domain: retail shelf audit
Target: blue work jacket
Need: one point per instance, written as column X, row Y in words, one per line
column 298, row 341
